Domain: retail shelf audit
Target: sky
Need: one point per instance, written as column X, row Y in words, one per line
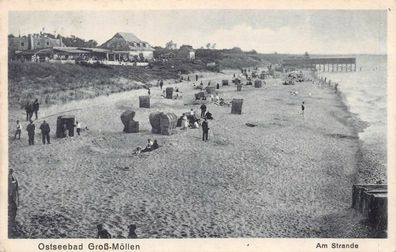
column 266, row 31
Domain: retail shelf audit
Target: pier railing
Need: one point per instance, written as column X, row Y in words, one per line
column 322, row 64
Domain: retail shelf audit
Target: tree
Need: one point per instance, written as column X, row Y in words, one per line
column 74, row 41
column 170, row 45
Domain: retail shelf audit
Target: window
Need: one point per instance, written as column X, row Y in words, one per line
column 47, row 43
column 22, row 44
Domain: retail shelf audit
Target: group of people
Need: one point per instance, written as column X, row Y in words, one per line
column 193, row 122
column 30, row 128
column 31, row 108
column 104, row 234
column 151, row 145
column 45, row 131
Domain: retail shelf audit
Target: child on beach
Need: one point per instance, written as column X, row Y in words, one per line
column 132, row 232
column 302, row 109
column 102, row 233
column 18, row 130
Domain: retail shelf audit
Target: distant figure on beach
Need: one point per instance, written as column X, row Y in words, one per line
column 208, row 115
column 78, row 127
column 161, row 84
column 13, row 200
column 149, row 146
column 205, row 130
column 132, row 232
column 336, row 87
column 302, row 108
column 217, row 86
column 18, row 130
column 29, row 111
column 184, row 122
column 188, row 78
column 149, row 91
column 45, row 130
column 36, row 107
column 203, row 110
column 102, row 233
column 138, row 150
column 30, row 129
column 234, row 75
column 64, row 127
column 155, row 145
column 196, row 77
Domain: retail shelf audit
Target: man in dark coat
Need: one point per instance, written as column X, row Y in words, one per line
column 205, row 130
column 30, row 129
column 36, row 107
column 203, row 110
column 13, row 200
column 45, row 130
column 28, row 109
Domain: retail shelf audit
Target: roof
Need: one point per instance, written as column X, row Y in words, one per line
column 123, row 41
column 69, row 50
column 130, row 37
column 94, row 49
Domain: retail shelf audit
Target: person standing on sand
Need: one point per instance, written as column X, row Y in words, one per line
column 203, row 110
column 36, row 107
column 18, row 130
column 148, row 91
column 30, row 129
column 13, row 200
column 302, row 108
column 102, row 233
column 184, row 122
column 161, row 84
column 132, row 232
column 196, row 77
column 205, row 130
column 45, row 130
column 28, row 109
column 78, row 127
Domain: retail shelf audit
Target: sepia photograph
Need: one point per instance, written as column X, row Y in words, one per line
column 197, row 123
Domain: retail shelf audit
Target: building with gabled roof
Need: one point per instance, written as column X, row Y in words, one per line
column 126, row 46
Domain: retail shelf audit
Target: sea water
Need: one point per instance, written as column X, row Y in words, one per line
column 365, row 94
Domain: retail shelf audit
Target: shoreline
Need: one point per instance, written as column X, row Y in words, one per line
column 231, row 186
column 370, row 170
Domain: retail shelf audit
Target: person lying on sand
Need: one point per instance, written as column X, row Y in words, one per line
column 138, row 150
column 149, row 145
column 102, row 233
column 155, row 145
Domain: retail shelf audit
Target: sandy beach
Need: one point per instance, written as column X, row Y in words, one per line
column 290, row 176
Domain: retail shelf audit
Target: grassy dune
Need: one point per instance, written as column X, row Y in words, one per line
column 60, row 83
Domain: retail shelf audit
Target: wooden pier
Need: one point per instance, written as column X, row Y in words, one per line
column 321, row 64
